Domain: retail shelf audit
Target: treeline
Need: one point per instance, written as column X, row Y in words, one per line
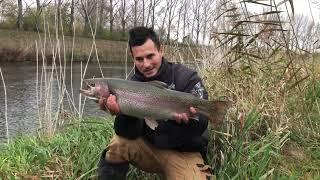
column 175, row 20
column 224, row 24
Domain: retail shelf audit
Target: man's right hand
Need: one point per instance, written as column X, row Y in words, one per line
column 110, row 103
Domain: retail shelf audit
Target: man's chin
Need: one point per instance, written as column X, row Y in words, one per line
column 149, row 75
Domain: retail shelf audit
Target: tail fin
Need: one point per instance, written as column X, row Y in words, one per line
column 215, row 110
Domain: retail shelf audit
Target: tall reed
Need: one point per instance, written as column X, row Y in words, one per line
column 5, row 107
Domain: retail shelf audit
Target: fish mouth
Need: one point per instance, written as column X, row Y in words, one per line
column 94, row 89
column 88, row 91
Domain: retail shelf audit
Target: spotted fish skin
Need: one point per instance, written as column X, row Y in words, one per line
column 152, row 99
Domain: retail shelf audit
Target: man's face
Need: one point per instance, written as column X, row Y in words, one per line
column 147, row 58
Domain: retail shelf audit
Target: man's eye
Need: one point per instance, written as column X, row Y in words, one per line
column 139, row 59
column 150, row 56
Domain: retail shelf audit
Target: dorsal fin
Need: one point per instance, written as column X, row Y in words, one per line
column 158, row 84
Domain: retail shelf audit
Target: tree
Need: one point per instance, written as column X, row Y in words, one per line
column 143, row 12
column 179, row 19
column 58, row 19
column 36, row 28
column 184, row 18
column 71, row 16
column 154, row 4
column 87, row 11
column 207, row 15
column 8, row 13
column 171, row 5
column 111, row 8
column 197, row 11
column 123, row 16
column 101, row 13
column 135, row 13
column 19, row 19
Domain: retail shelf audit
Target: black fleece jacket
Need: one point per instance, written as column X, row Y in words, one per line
column 169, row 134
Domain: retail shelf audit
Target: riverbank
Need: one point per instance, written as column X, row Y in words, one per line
column 23, row 45
column 267, row 134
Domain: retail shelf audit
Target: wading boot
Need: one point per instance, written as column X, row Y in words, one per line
column 111, row 171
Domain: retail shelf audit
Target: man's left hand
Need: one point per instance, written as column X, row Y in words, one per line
column 184, row 117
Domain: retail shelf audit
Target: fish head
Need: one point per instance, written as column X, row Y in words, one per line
column 95, row 89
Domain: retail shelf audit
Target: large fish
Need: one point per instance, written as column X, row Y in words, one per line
column 152, row 100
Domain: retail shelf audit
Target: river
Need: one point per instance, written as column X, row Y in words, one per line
column 21, row 82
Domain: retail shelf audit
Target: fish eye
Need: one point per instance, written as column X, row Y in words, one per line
column 90, row 85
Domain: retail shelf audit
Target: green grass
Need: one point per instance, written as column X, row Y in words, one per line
column 71, row 153
column 74, row 153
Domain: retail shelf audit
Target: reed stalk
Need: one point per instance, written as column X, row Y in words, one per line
column 5, row 107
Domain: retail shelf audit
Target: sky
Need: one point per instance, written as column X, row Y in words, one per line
column 300, row 6
column 309, row 8
column 303, row 7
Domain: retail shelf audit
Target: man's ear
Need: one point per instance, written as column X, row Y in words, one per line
column 131, row 55
column 161, row 50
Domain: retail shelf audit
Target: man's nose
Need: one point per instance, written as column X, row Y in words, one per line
column 146, row 62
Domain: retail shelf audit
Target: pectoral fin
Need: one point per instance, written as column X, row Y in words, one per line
column 152, row 123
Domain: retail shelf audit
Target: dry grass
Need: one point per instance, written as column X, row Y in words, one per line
column 286, row 106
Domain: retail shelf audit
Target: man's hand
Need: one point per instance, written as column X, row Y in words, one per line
column 184, row 117
column 110, row 103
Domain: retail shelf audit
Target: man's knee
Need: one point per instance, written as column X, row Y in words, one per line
column 121, row 149
column 109, row 170
column 188, row 166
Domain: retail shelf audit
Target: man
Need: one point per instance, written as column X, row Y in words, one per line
column 174, row 148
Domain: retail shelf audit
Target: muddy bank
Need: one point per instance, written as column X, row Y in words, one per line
column 31, row 55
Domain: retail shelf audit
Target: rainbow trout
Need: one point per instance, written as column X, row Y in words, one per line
column 152, row 99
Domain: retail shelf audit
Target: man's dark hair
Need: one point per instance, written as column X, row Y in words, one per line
column 139, row 35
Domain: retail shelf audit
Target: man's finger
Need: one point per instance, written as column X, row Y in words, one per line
column 103, row 104
column 177, row 117
column 193, row 110
column 113, row 105
column 111, row 100
column 185, row 117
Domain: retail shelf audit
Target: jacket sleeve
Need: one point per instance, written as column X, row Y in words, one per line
column 191, row 136
column 196, row 87
column 128, row 126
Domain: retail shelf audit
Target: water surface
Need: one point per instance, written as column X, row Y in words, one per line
column 21, row 78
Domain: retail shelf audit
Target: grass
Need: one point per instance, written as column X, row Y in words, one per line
column 273, row 128
column 71, row 153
